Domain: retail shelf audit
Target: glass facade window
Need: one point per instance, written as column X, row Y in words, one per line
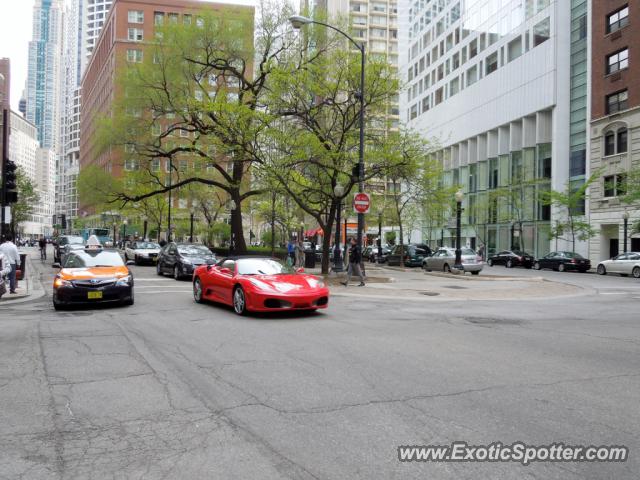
column 135, row 34
column 541, row 32
column 514, row 49
column 610, row 144
column 492, row 63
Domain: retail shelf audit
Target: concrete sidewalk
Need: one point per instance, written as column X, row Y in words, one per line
column 414, row 284
column 30, row 287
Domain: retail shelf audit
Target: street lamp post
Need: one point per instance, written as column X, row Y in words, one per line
column 124, row 231
column 338, row 190
column 379, row 236
column 459, row 197
column 232, row 238
column 191, row 228
column 273, row 223
column 145, row 224
column 298, row 21
column 625, row 217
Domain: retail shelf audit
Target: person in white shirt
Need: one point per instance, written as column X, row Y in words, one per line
column 10, row 251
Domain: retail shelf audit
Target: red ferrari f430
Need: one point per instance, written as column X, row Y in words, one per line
column 255, row 284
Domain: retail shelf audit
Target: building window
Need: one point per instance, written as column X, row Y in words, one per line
column 173, row 18
column 618, row 19
column 615, row 142
column 472, row 75
column 492, row 63
column 186, row 19
column 134, row 55
column 158, row 18
column 610, row 144
column 135, row 34
column 514, row 49
column 615, row 185
column 616, row 102
column 541, row 32
column 618, row 61
column 136, row 16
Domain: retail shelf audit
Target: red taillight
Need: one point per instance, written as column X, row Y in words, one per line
column 573, row 260
column 519, row 259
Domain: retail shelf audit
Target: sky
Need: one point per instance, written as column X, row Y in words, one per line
column 15, row 34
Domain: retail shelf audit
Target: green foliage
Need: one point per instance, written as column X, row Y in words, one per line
column 97, row 188
column 28, row 198
column 390, row 238
column 573, row 225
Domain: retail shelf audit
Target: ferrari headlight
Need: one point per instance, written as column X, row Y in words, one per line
column 124, row 281
column 316, row 283
column 259, row 284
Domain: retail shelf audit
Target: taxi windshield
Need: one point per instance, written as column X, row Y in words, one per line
column 87, row 259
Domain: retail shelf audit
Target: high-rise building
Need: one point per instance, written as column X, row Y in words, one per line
column 5, row 85
column 501, row 86
column 128, row 32
column 44, row 79
column 615, row 123
column 83, row 23
column 38, row 164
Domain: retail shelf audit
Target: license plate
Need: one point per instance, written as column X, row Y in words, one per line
column 94, row 295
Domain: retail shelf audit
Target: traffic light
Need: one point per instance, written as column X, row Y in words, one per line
column 355, row 172
column 10, row 182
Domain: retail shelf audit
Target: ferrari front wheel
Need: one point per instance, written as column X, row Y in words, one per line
column 197, row 290
column 239, row 301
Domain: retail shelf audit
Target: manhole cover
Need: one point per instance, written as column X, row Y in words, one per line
column 430, row 294
column 455, row 287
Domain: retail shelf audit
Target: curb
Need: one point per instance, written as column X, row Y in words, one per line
column 35, row 289
column 486, row 278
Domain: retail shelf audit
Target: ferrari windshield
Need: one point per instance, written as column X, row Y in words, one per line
column 193, row 250
column 262, row 266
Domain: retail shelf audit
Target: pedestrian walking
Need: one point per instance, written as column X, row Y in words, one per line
column 299, row 249
column 481, row 251
column 42, row 243
column 10, row 251
column 5, row 270
column 355, row 260
column 291, row 252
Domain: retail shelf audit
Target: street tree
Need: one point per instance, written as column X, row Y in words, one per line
column 317, row 135
column 28, row 198
column 198, row 98
column 572, row 224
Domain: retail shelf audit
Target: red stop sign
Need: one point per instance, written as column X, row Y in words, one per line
column 361, row 203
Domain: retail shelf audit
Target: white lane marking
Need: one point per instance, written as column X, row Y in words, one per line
column 613, row 293
column 167, row 291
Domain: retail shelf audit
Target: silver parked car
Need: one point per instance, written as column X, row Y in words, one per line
column 624, row 264
column 444, row 259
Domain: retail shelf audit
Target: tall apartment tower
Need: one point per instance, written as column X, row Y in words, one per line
column 615, row 123
column 501, row 86
column 83, row 24
column 44, row 79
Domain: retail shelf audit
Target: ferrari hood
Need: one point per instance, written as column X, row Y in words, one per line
column 286, row 283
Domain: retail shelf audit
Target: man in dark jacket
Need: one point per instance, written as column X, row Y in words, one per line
column 355, row 259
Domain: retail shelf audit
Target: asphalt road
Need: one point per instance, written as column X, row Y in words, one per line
column 171, row 389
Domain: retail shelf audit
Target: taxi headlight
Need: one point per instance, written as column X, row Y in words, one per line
column 124, row 281
column 60, row 282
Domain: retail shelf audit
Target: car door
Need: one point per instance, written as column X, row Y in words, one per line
column 627, row 263
column 617, row 263
column 436, row 262
column 548, row 260
column 170, row 257
column 222, row 287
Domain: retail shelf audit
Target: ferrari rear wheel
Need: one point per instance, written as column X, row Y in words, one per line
column 239, row 301
column 197, row 290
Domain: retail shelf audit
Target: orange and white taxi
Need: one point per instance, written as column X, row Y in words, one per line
column 92, row 275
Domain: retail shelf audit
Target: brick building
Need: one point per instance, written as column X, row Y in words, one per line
column 128, row 31
column 615, row 122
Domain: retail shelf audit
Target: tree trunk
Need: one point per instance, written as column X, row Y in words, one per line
column 401, row 244
column 239, row 245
